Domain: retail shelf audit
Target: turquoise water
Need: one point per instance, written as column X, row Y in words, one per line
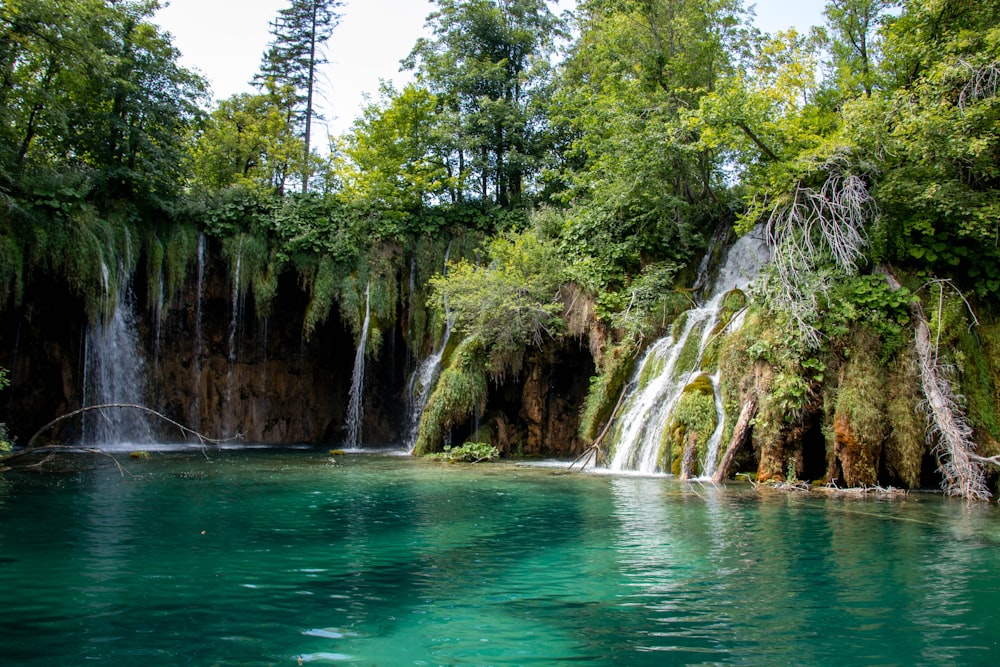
column 271, row 558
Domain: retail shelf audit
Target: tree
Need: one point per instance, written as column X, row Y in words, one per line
column 398, row 156
column 646, row 187
column 933, row 131
column 488, row 63
column 94, row 86
column 508, row 304
column 856, row 43
column 245, row 141
column 289, row 67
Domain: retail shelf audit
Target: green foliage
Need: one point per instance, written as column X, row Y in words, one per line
column 934, row 131
column 470, row 452
column 246, row 144
column 508, row 304
column 94, row 88
column 398, row 153
column 646, row 189
column 488, row 65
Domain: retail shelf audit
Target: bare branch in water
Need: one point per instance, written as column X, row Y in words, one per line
column 187, row 432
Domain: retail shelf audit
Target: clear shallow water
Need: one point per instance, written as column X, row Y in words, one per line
column 269, row 558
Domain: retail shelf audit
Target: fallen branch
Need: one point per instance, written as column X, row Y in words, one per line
column 129, row 406
column 595, row 448
column 32, row 448
column 862, row 491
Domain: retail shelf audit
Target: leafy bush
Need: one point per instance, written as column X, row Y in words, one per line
column 508, row 304
column 470, row 452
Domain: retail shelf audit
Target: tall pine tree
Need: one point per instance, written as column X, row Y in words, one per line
column 289, row 67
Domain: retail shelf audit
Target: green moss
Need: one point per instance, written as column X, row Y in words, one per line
column 181, row 250
column 155, row 253
column 977, row 383
column 265, row 286
column 689, row 354
column 905, row 444
column 323, row 289
column 459, row 395
column 605, row 390
column 11, row 270
column 860, row 415
column 97, row 255
column 694, row 414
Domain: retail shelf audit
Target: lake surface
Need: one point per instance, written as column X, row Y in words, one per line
column 276, row 558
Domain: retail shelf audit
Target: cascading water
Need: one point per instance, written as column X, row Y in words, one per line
column 355, row 403
column 672, row 362
column 422, row 383
column 194, row 408
column 114, row 374
column 237, row 303
column 424, row 378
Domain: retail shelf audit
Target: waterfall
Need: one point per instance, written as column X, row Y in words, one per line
column 422, row 383
column 114, row 373
column 673, row 361
column 194, row 408
column 237, row 303
column 355, row 397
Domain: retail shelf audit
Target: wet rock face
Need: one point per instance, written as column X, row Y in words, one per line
column 554, row 387
column 40, row 346
column 261, row 379
column 224, row 371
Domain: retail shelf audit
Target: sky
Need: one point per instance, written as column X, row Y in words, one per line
column 224, row 41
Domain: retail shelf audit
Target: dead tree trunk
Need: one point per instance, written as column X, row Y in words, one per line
column 949, row 433
column 688, row 460
column 740, row 435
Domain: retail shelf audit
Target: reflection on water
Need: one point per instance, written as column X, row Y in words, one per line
column 255, row 557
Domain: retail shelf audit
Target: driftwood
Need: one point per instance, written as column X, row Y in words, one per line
column 593, row 453
column 32, row 447
column 740, row 435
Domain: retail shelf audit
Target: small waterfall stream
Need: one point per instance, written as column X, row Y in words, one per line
column 672, row 362
column 114, row 372
column 237, row 303
column 422, row 384
column 194, row 409
column 355, row 403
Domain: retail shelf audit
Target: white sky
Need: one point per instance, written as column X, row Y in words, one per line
column 224, row 40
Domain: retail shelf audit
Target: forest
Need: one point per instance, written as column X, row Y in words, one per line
column 538, row 207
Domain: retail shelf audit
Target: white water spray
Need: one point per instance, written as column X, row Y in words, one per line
column 114, row 372
column 672, row 362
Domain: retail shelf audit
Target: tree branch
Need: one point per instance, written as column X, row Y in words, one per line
column 128, row 406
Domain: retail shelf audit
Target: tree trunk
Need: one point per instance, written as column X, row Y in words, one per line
column 949, row 433
column 688, row 461
column 741, row 434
